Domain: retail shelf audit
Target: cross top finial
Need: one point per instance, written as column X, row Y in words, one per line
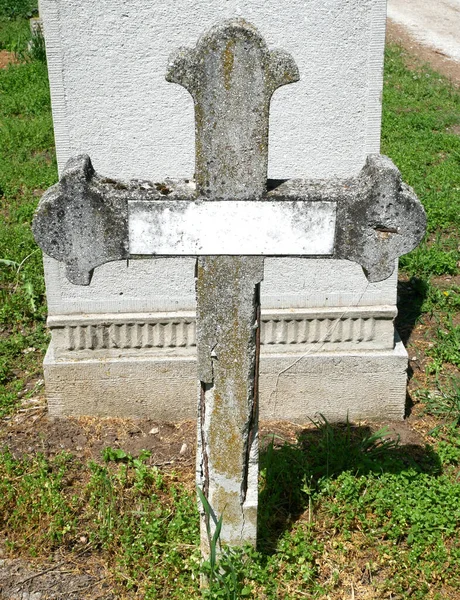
column 231, row 75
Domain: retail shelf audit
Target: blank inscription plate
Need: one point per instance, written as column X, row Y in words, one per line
column 246, row 227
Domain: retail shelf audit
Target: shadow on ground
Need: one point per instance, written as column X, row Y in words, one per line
column 411, row 296
column 291, row 472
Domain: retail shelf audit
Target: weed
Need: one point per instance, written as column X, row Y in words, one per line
column 447, row 346
column 430, row 259
column 444, row 403
column 32, row 498
column 27, row 285
column 223, row 570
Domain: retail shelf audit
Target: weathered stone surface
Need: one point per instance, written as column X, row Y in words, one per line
column 294, row 385
column 228, row 322
column 112, row 65
column 83, row 220
column 241, row 227
column 381, row 220
column 107, row 61
column 80, row 223
column 281, row 331
column 231, row 76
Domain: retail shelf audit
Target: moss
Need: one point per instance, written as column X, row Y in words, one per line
column 228, row 59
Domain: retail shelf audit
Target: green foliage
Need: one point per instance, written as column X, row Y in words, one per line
column 436, row 300
column 446, row 349
column 14, row 34
column 20, row 351
column 444, row 402
column 148, row 526
column 126, row 509
column 27, row 168
column 12, row 9
column 420, row 109
column 411, row 505
column 430, row 259
column 32, row 498
column 412, row 516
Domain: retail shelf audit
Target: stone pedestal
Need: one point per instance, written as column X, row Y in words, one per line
column 125, row 346
column 333, row 353
column 293, row 387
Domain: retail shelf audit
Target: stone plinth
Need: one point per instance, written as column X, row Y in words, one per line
column 293, row 386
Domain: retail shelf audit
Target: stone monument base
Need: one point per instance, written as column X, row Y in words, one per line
column 363, row 385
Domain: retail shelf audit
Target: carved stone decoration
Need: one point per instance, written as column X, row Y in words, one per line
column 86, row 220
column 79, row 222
column 380, row 220
column 231, row 76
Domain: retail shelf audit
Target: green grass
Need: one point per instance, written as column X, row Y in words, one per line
column 342, row 504
column 340, row 480
column 14, row 34
column 420, row 111
column 27, row 168
column 144, row 523
column 14, row 9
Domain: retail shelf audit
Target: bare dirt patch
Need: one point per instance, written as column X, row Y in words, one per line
column 32, row 430
column 7, row 58
column 420, row 54
column 57, row 579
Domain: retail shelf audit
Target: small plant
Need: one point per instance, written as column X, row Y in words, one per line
column 20, row 275
column 446, row 349
column 213, row 538
column 445, row 403
column 219, row 571
column 345, row 447
column 430, row 259
column 36, row 49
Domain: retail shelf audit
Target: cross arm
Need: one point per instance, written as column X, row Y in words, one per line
column 87, row 220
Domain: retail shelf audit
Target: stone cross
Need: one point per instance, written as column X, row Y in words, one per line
column 230, row 217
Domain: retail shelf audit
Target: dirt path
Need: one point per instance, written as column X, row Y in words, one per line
column 7, row 58
column 438, row 60
column 435, row 23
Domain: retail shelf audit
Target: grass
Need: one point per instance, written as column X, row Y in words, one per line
column 421, row 111
column 344, row 510
column 27, row 168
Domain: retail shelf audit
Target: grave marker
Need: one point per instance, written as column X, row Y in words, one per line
column 126, row 344
column 87, row 220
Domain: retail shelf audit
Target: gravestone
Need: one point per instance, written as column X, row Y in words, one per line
column 87, row 220
column 125, row 346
